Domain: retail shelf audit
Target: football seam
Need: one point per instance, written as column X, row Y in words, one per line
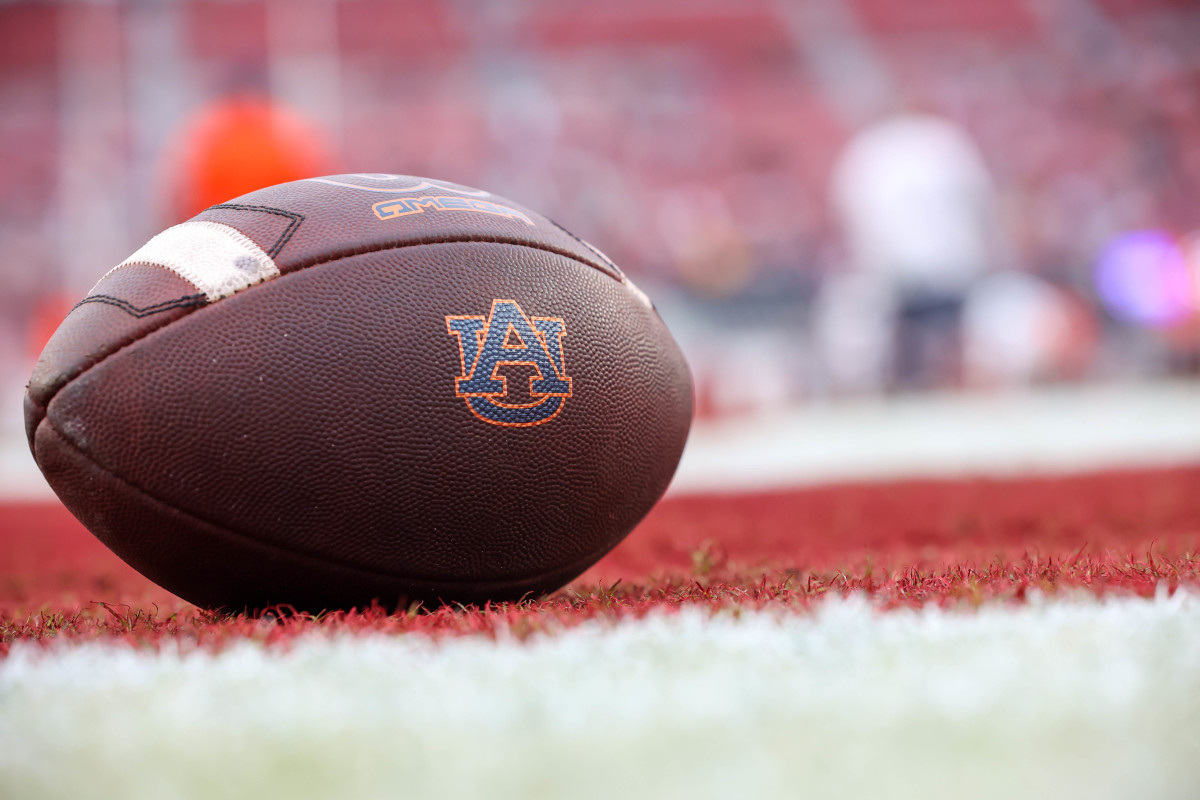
column 452, row 239
column 615, row 269
column 307, row 265
column 285, row 237
column 313, row 559
column 143, row 311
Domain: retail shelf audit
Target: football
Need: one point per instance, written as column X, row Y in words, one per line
column 361, row 388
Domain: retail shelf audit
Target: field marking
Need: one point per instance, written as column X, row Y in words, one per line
column 1065, row 698
column 1049, row 431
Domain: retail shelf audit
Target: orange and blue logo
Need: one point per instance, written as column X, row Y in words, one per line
column 508, row 337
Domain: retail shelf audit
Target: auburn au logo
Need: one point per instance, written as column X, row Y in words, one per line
column 507, row 336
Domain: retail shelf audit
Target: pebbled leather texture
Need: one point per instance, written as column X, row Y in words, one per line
column 122, row 308
column 302, row 441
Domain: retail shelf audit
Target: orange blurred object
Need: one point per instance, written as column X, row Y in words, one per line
column 242, row 143
column 48, row 312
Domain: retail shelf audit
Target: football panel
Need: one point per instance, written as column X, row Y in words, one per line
column 124, row 306
column 234, row 245
column 216, row 568
column 334, row 428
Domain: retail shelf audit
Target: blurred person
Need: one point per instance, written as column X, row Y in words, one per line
column 852, row 328
column 1018, row 329
column 239, row 143
column 915, row 202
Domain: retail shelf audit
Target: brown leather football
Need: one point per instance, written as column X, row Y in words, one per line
column 361, row 388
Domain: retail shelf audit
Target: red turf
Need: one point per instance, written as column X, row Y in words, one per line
column 903, row 543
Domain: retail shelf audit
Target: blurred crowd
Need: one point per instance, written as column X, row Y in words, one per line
column 824, row 198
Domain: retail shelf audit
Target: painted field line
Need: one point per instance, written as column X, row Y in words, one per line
column 1050, row 431
column 1065, row 698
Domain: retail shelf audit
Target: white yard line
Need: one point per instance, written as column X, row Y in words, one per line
column 1059, row 430
column 1062, row 699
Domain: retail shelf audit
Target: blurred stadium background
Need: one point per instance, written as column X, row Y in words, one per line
column 820, row 196
column 934, row 239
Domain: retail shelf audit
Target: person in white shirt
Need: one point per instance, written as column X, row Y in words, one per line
column 915, row 202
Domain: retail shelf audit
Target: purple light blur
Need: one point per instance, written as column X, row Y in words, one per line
column 1143, row 278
